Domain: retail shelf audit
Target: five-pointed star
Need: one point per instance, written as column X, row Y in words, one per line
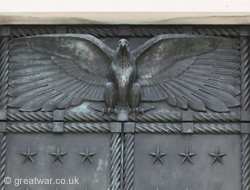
column 28, row 155
column 187, row 156
column 87, row 155
column 58, row 155
column 217, row 156
column 157, row 156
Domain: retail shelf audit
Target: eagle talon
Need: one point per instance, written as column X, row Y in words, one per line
column 136, row 110
column 141, row 111
column 104, row 111
column 130, row 111
column 108, row 111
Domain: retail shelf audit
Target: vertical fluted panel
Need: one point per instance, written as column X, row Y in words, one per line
column 245, row 74
column 129, row 162
column 2, row 159
column 4, row 56
column 116, row 151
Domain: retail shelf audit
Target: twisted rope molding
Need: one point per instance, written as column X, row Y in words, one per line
column 94, row 117
column 29, row 127
column 217, row 129
column 29, row 116
column 69, row 116
column 2, row 159
column 101, row 32
column 145, row 31
column 23, row 32
column 4, row 72
column 134, row 31
column 129, row 162
column 225, row 32
column 245, row 106
column 168, row 128
column 115, row 172
column 157, row 117
column 245, row 74
column 216, row 117
column 245, row 159
column 98, row 117
column 157, row 128
column 87, row 128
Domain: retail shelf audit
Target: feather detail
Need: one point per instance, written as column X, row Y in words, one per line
column 49, row 72
column 200, row 80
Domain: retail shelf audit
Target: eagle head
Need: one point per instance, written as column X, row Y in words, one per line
column 122, row 56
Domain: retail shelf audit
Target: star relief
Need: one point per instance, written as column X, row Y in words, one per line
column 87, row 155
column 187, row 156
column 28, row 155
column 157, row 156
column 58, row 155
column 217, row 156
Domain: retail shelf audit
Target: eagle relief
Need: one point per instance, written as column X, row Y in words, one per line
column 50, row 72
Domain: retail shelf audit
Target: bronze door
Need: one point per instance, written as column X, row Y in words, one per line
column 125, row 107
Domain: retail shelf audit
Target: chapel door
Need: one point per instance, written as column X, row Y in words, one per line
column 186, row 127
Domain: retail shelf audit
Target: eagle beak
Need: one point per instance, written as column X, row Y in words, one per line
column 123, row 43
column 123, row 47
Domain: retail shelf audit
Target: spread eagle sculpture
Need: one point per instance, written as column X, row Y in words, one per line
column 51, row 72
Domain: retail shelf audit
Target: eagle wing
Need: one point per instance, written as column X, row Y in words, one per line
column 187, row 71
column 57, row 71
